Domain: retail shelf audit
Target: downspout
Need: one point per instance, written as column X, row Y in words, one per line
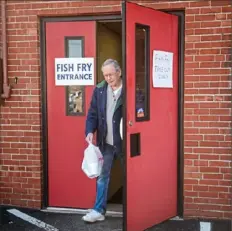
column 6, row 86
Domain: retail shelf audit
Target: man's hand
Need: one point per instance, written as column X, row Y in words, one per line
column 89, row 138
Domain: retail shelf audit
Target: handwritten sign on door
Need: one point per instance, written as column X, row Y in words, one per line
column 74, row 71
column 162, row 69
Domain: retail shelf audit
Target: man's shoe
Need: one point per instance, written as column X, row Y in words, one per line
column 93, row 216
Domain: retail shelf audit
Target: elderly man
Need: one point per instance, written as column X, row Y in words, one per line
column 104, row 116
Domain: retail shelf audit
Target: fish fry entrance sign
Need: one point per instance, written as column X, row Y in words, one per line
column 74, row 71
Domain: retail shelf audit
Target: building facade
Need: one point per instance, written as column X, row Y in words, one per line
column 207, row 171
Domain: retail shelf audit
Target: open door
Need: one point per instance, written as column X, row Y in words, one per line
column 67, row 108
column 151, row 123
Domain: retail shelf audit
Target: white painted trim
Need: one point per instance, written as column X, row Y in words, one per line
column 32, row 220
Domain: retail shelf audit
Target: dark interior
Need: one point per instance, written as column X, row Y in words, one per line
column 109, row 45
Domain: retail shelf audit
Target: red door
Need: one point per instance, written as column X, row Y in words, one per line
column 151, row 133
column 66, row 113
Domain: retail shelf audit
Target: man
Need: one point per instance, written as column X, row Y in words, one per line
column 104, row 116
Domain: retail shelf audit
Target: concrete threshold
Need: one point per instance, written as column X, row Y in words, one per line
column 109, row 213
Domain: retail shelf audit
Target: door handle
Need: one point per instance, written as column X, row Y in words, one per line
column 130, row 123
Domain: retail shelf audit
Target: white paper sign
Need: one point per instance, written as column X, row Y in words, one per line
column 74, row 71
column 162, row 69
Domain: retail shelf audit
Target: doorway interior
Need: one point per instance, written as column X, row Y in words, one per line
column 109, row 45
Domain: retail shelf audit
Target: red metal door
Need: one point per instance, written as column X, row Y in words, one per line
column 151, row 145
column 67, row 184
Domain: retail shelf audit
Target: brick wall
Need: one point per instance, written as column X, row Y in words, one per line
column 207, row 107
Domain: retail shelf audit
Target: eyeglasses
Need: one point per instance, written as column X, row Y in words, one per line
column 110, row 75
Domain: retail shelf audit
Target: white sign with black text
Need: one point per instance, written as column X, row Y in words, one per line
column 162, row 69
column 74, row 71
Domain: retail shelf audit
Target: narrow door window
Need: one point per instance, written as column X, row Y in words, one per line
column 142, row 71
column 75, row 95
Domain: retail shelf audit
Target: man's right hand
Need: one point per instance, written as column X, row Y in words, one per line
column 89, row 138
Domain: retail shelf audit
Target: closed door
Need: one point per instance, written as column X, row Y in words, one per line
column 66, row 114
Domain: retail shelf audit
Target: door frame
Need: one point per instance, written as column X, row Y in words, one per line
column 43, row 87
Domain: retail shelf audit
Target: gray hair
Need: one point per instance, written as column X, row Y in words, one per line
column 112, row 62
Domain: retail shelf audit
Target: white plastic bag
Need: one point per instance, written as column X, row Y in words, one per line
column 92, row 162
column 121, row 128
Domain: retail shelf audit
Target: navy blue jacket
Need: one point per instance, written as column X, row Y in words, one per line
column 96, row 118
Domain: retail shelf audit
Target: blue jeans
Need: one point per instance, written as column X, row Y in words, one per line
column 103, row 180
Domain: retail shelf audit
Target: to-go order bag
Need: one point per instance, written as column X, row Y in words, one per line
column 92, row 162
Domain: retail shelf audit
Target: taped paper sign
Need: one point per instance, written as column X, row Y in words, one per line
column 74, row 71
column 162, row 69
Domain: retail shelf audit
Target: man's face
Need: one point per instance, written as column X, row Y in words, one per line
column 111, row 76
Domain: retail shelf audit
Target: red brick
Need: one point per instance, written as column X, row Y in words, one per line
column 209, row 51
column 209, row 156
column 192, row 11
column 204, row 17
column 221, row 3
column 208, row 194
column 219, row 163
column 191, row 156
column 213, row 176
column 209, row 169
column 205, row 58
column 200, row 163
column 211, row 201
column 207, row 112
column 200, row 188
column 209, row 207
column 158, row 5
column 209, row 130
column 199, row 3
column 190, row 194
column 188, row 162
column 214, row 137
column 221, row 16
column 226, row 170
column 193, row 175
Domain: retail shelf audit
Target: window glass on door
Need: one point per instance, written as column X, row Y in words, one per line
column 74, row 47
column 75, row 95
column 142, row 78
